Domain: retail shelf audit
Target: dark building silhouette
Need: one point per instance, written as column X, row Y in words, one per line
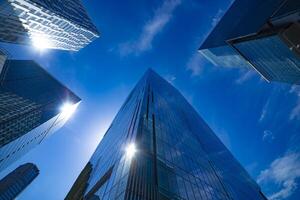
column 263, row 35
column 33, row 105
column 158, row 147
column 16, row 181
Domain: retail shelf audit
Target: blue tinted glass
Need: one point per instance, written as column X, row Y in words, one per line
column 272, row 58
column 30, row 104
column 177, row 155
column 240, row 20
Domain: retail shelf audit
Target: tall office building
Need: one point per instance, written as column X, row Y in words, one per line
column 16, row 181
column 57, row 24
column 3, row 57
column 33, row 105
column 158, row 147
column 263, row 35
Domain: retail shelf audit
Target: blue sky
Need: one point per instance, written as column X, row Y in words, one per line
column 258, row 121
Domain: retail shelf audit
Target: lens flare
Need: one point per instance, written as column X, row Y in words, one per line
column 40, row 42
column 68, row 109
column 131, row 150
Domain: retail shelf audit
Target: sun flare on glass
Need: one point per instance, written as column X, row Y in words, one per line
column 131, row 150
column 40, row 42
column 67, row 110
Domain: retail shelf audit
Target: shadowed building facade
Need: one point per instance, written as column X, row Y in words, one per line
column 267, row 41
column 158, row 147
column 31, row 108
column 17, row 181
column 3, row 57
column 57, row 24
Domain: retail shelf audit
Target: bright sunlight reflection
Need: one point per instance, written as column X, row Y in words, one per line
column 40, row 42
column 130, row 150
column 68, row 109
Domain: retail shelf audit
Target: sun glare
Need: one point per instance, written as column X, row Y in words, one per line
column 68, row 109
column 40, row 42
column 131, row 150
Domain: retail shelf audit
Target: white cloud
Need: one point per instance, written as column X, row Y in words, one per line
column 217, row 17
column 245, row 77
column 295, row 89
column 195, row 64
column 170, row 78
column 268, row 135
column 283, row 171
column 295, row 113
column 155, row 25
column 264, row 111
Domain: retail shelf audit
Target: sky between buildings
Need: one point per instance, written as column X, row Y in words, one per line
column 259, row 122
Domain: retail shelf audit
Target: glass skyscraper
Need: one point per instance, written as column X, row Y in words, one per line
column 33, row 105
column 267, row 41
column 57, row 24
column 3, row 58
column 16, row 181
column 158, row 147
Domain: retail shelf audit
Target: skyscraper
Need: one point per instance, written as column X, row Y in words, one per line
column 3, row 58
column 158, row 147
column 33, row 105
column 16, row 181
column 267, row 41
column 57, row 24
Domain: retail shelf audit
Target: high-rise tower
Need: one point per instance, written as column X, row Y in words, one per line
column 158, row 147
column 263, row 35
column 57, row 24
column 33, row 105
column 16, row 181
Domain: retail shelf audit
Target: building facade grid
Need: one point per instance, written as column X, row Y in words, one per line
column 178, row 156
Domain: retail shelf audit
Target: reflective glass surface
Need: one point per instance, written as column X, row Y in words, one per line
column 72, row 10
column 272, row 57
column 177, row 155
column 290, row 7
column 16, row 181
column 224, row 56
column 30, row 108
column 58, row 24
column 240, row 20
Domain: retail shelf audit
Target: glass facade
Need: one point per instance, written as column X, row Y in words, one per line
column 268, row 41
column 70, row 10
column 16, row 181
column 177, row 155
column 30, row 108
column 59, row 24
column 272, row 58
column 240, row 20
column 289, row 11
column 224, row 56
column 3, row 58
